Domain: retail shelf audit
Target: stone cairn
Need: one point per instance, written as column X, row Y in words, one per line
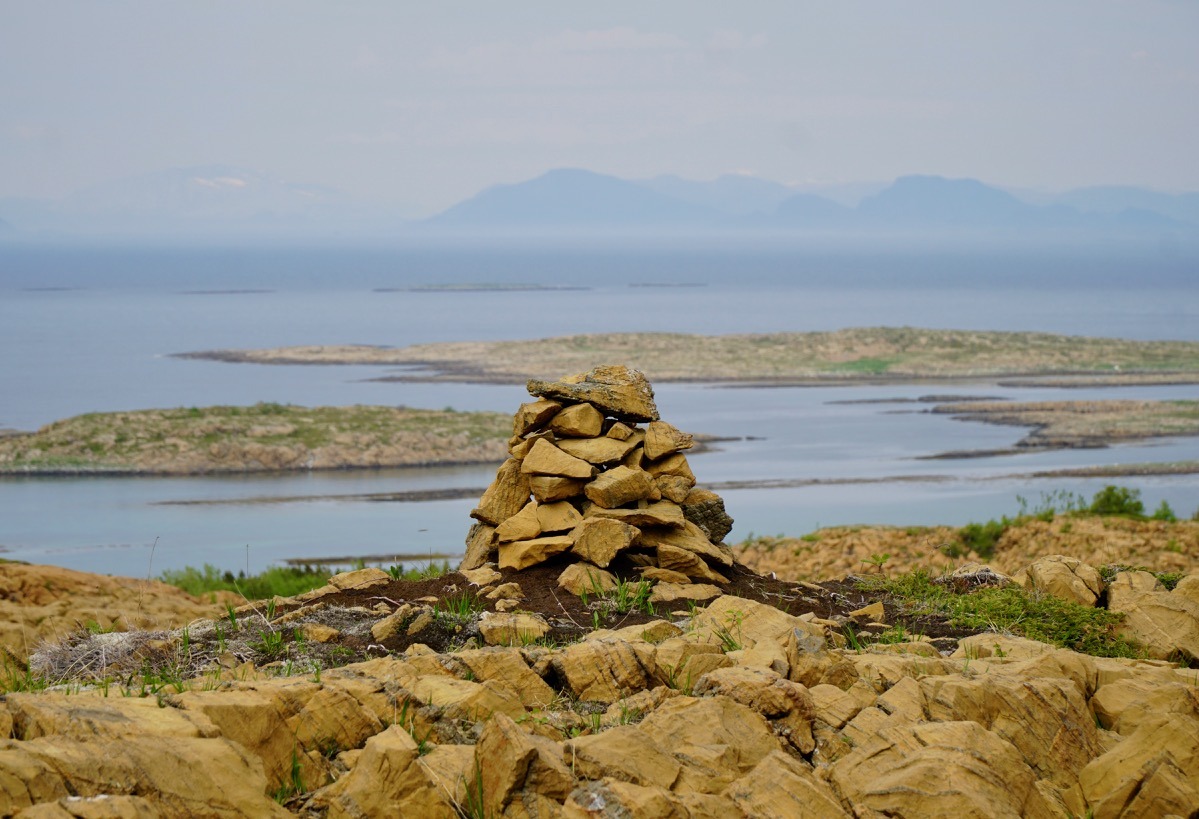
column 586, row 481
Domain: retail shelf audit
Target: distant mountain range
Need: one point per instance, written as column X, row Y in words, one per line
column 228, row 201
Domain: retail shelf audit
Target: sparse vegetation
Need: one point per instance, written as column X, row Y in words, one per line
column 276, row 581
column 263, row 437
column 894, row 352
column 1008, row 609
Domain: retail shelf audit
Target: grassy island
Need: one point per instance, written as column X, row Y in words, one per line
column 263, row 437
column 862, row 354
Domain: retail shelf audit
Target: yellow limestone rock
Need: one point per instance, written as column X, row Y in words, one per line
column 524, row 525
column 521, row 554
column 1046, row 719
column 786, row 704
column 689, row 537
column 533, row 415
column 578, row 421
column 519, row 771
column 391, row 778
column 597, row 450
column 360, row 579
column 600, row 540
column 586, row 578
column 512, row 629
column 675, row 464
column 605, row 671
column 558, row 517
column 662, row 438
column 623, row 752
column 615, row 389
column 618, row 486
column 480, row 547
column 51, row 768
column 679, row 560
column 873, row 613
column 782, row 786
column 1152, row 772
column 666, row 593
column 674, row 487
column 1124, row 705
column 1163, row 622
column 946, row 769
column 660, row 575
column 519, row 447
column 47, row 714
column 506, row 667
column 719, row 740
column 550, row 488
column 506, row 495
column 662, row 513
column 1065, row 577
column 546, row 459
column 620, row 431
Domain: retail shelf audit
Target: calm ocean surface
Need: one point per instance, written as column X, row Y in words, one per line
column 93, row 329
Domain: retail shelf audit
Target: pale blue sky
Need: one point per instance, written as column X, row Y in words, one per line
column 422, row 104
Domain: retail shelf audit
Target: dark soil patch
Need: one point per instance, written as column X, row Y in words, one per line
column 572, row 617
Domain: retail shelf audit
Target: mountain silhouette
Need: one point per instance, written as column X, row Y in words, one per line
column 574, row 198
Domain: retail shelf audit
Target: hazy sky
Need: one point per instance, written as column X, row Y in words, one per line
column 424, row 103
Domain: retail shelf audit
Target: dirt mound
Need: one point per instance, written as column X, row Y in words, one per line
column 39, row 603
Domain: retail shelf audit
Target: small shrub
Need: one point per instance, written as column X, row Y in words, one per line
column 1117, row 500
column 1164, row 512
column 982, row 538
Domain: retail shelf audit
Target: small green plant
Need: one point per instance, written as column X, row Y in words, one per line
column 628, row 596
column 294, row 786
column 231, row 613
column 728, row 640
column 878, row 561
column 1164, row 512
column 18, row 678
column 1067, row 528
column 270, row 643
column 1117, row 500
column 982, row 538
column 474, row 802
column 1169, row 579
column 459, row 607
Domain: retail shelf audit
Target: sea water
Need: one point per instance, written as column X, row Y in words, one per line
column 94, row 329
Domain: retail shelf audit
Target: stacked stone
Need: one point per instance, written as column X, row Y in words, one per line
column 586, row 480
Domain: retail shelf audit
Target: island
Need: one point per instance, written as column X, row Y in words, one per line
column 260, row 438
column 867, row 355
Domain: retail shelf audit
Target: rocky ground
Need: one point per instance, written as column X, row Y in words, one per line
column 1157, row 546
column 48, row 603
column 501, row 693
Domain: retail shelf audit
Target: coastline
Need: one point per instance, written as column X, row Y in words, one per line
column 872, row 355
